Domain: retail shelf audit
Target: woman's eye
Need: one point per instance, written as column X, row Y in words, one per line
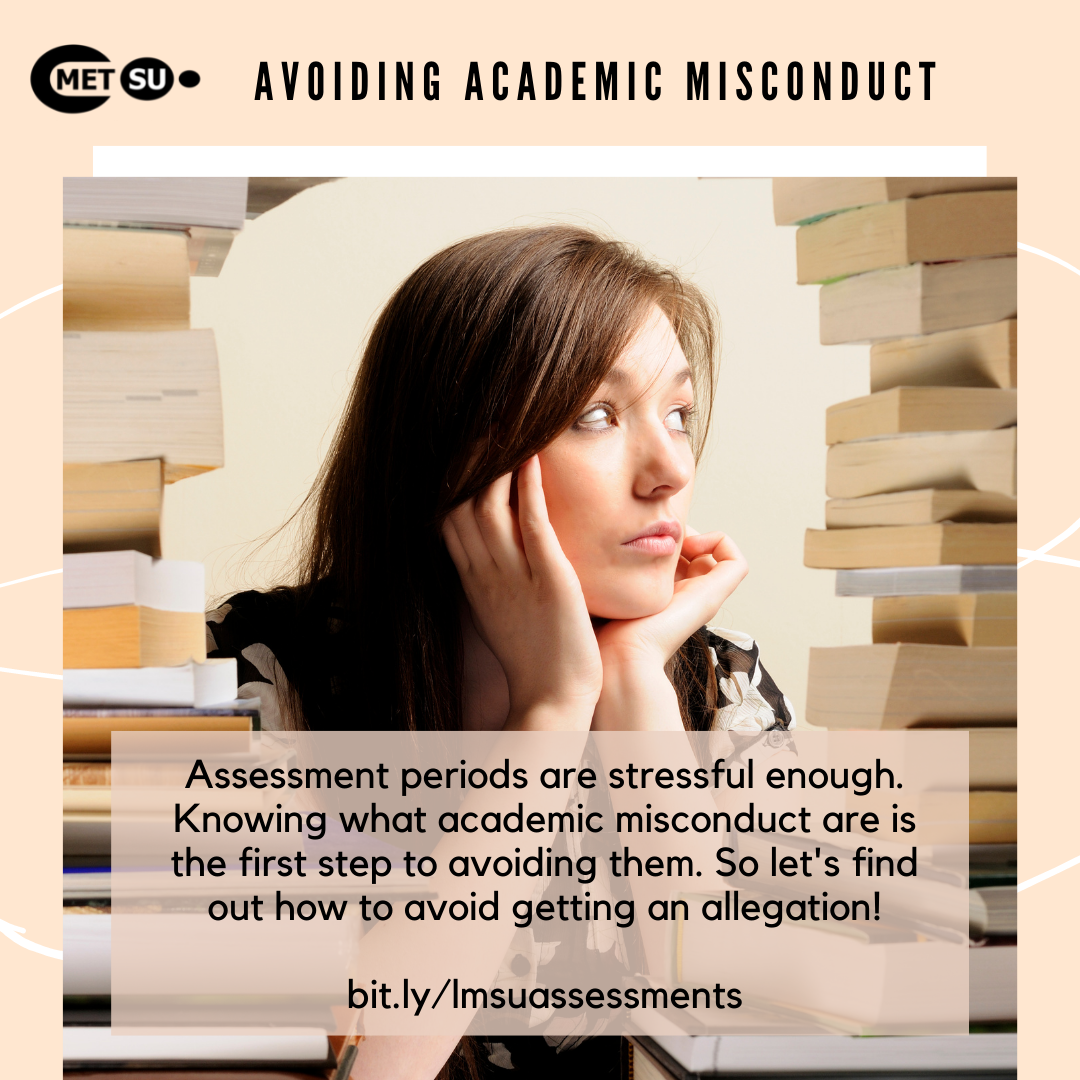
column 596, row 418
column 678, row 419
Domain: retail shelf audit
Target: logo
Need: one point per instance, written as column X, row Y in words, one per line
column 76, row 78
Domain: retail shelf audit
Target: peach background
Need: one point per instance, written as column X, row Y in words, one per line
column 1003, row 80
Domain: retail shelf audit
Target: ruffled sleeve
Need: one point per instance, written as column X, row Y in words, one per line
column 747, row 698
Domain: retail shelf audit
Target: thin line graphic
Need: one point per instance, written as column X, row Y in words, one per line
column 1047, row 874
column 32, row 674
column 1047, row 255
column 10, row 930
column 36, row 296
column 29, row 577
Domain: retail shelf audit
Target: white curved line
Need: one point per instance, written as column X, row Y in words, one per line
column 29, row 577
column 1038, row 556
column 37, row 296
column 1047, row 874
column 33, row 674
column 1047, row 255
column 15, row 933
column 1054, row 543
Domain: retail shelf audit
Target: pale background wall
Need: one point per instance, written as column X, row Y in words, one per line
column 303, row 283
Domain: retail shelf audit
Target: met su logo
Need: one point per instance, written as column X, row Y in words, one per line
column 77, row 78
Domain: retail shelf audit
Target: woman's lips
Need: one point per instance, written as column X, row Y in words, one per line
column 659, row 539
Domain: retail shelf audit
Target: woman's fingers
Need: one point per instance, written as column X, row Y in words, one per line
column 495, row 520
column 538, row 537
column 458, row 555
column 463, row 520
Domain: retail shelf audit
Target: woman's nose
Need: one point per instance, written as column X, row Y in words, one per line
column 664, row 465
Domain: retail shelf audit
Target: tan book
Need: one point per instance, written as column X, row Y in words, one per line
column 963, row 619
column 131, row 636
column 922, row 507
column 918, row 299
column 143, row 395
column 943, row 544
column 114, row 505
column 993, row 817
column 940, row 227
column 87, row 774
column 266, row 192
column 992, row 758
column 92, row 734
column 906, row 409
column 884, row 687
column 971, row 356
column 79, row 800
column 973, row 460
column 797, row 199
column 126, row 279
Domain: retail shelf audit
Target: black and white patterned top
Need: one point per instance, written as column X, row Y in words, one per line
column 274, row 653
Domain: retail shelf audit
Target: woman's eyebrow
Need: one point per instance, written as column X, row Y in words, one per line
column 622, row 379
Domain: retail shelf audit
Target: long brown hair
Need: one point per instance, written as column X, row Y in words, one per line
column 482, row 356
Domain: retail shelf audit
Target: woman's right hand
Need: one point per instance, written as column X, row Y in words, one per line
column 527, row 603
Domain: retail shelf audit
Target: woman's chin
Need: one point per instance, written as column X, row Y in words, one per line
column 629, row 606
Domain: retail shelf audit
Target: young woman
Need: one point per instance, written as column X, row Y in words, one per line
column 498, row 537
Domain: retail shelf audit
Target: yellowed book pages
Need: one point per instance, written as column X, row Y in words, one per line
column 132, row 636
column 992, row 758
column 963, row 619
column 955, row 226
column 113, row 506
column 907, row 409
column 885, row 687
column 795, row 199
column 973, row 356
column 88, row 799
column 993, row 817
column 918, row 299
column 944, row 544
column 126, row 279
column 972, row 460
column 93, row 734
column 925, row 506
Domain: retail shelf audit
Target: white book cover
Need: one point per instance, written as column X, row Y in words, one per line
column 114, row 578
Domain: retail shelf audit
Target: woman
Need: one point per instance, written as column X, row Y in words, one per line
column 498, row 537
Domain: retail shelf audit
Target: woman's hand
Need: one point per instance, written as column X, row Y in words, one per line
column 527, row 603
column 636, row 692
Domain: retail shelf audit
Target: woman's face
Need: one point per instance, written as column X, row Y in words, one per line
column 618, row 481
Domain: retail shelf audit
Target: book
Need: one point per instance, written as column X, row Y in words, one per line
column 979, row 460
column 905, row 409
column 993, row 911
column 113, row 505
column 126, row 279
column 87, row 833
column 87, row 942
column 971, row 356
column 993, row 982
column 113, row 578
column 933, row 1057
column 920, row 580
column 187, row 685
column 991, row 864
column 132, row 636
column 993, row 817
column 215, row 201
column 798, row 199
column 87, row 733
column 959, row 225
column 924, row 506
column 992, row 758
column 909, row 545
column 266, row 192
column 959, row 619
column 87, row 882
column 143, row 395
column 88, row 1047
column 884, row 687
column 918, row 299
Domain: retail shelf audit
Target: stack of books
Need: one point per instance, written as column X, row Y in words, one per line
column 921, row 485
column 142, row 409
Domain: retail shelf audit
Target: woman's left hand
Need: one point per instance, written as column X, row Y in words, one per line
column 636, row 692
